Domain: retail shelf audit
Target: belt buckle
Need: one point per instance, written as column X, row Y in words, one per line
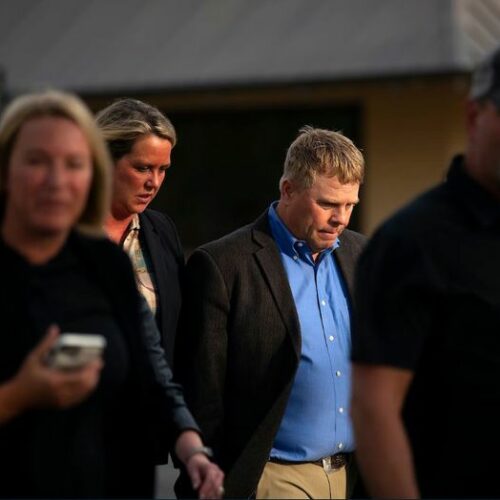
column 327, row 464
column 333, row 463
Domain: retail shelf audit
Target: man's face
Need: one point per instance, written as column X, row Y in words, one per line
column 483, row 154
column 318, row 214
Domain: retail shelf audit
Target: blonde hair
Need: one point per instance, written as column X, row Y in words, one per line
column 127, row 120
column 322, row 152
column 63, row 105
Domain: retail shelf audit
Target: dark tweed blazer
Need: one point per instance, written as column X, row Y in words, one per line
column 239, row 346
column 158, row 235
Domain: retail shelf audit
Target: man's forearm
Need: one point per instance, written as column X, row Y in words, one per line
column 384, row 456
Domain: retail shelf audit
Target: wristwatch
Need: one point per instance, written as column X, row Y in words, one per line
column 199, row 449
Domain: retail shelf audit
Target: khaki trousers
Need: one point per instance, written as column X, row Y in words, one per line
column 301, row 481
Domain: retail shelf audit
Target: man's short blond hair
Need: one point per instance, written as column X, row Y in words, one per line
column 322, row 152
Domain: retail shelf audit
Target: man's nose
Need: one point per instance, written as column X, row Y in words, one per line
column 340, row 215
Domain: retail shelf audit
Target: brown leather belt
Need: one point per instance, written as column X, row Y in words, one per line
column 333, row 462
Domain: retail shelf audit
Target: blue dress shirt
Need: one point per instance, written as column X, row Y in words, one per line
column 316, row 422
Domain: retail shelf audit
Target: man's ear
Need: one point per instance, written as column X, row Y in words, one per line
column 287, row 189
column 472, row 109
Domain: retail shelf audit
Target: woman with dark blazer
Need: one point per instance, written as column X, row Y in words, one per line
column 140, row 139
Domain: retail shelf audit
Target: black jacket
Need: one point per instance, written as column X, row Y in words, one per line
column 158, row 236
column 107, row 445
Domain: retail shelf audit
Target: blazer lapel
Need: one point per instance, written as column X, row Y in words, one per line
column 153, row 245
column 347, row 263
column 275, row 276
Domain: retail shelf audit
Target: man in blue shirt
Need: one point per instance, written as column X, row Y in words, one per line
column 264, row 346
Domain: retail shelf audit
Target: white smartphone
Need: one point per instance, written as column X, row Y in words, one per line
column 74, row 350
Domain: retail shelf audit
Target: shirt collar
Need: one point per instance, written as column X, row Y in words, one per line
column 287, row 242
column 134, row 223
column 480, row 203
column 131, row 233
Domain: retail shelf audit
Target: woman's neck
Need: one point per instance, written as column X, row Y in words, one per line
column 115, row 227
column 36, row 247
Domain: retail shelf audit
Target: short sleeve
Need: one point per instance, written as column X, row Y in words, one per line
column 394, row 300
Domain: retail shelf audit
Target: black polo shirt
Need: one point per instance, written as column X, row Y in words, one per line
column 428, row 300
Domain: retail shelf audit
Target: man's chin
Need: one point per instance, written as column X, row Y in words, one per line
column 328, row 239
column 324, row 244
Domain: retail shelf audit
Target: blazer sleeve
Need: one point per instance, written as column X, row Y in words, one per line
column 202, row 344
column 179, row 415
column 156, row 411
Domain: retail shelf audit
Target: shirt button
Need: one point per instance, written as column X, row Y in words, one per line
column 323, row 303
column 331, row 338
column 341, row 410
column 338, row 373
column 340, row 446
column 295, row 257
column 300, row 244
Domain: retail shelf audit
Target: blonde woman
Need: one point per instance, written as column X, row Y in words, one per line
column 140, row 139
column 85, row 432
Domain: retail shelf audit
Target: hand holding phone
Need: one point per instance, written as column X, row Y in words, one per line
column 36, row 384
column 75, row 350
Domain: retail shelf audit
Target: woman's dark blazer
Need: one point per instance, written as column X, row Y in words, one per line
column 158, row 235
